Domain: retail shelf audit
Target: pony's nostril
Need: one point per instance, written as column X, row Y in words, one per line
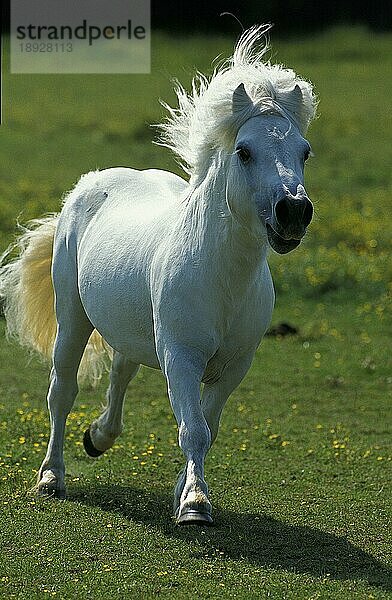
column 282, row 212
column 293, row 214
column 308, row 213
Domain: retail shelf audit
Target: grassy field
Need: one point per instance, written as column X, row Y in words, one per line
column 300, row 476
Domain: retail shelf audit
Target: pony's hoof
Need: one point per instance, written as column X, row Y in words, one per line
column 48, row 487
column 89, row 447
column 45, row 491
column 194, row 517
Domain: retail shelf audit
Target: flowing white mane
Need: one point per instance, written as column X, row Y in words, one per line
column 204, row 120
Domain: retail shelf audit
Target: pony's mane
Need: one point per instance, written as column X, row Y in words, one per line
column 204, row 120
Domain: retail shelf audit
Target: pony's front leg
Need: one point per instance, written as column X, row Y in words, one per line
column 184, row 370
column 216, row 394
column 214, row 398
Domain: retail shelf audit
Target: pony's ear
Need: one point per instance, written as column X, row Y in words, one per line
column 297, row 94
column 292, row 99
column 241, row 100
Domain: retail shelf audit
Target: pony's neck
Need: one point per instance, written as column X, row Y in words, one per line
column 213, row 229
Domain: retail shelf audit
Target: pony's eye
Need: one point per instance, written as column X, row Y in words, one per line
column 243, row 153
column 307, row 154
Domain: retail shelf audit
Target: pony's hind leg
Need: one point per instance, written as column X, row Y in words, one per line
column 70, row 342
column 101, row 434
column 73, row 332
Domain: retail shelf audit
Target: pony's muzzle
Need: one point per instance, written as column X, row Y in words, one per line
column 293, row 215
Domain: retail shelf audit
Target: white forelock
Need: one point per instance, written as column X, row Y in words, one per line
column 204, row 121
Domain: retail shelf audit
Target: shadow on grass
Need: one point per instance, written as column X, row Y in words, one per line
column 258, row 538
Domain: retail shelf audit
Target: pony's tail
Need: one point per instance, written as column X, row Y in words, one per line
column 27, row 295
column 26, row 287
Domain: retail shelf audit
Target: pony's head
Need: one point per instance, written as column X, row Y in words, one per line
column 265, row 178
column 251, row 117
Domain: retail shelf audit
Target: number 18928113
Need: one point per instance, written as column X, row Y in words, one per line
column 46, row 47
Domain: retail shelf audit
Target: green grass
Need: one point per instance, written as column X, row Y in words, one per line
column 300, row 474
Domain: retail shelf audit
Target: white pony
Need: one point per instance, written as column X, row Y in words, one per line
column 173, row 274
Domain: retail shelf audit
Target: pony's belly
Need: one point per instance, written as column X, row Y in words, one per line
column 140, row 351
column 123, row 317
column 126, row 338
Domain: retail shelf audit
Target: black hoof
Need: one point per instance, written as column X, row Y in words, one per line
column 89, row 446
